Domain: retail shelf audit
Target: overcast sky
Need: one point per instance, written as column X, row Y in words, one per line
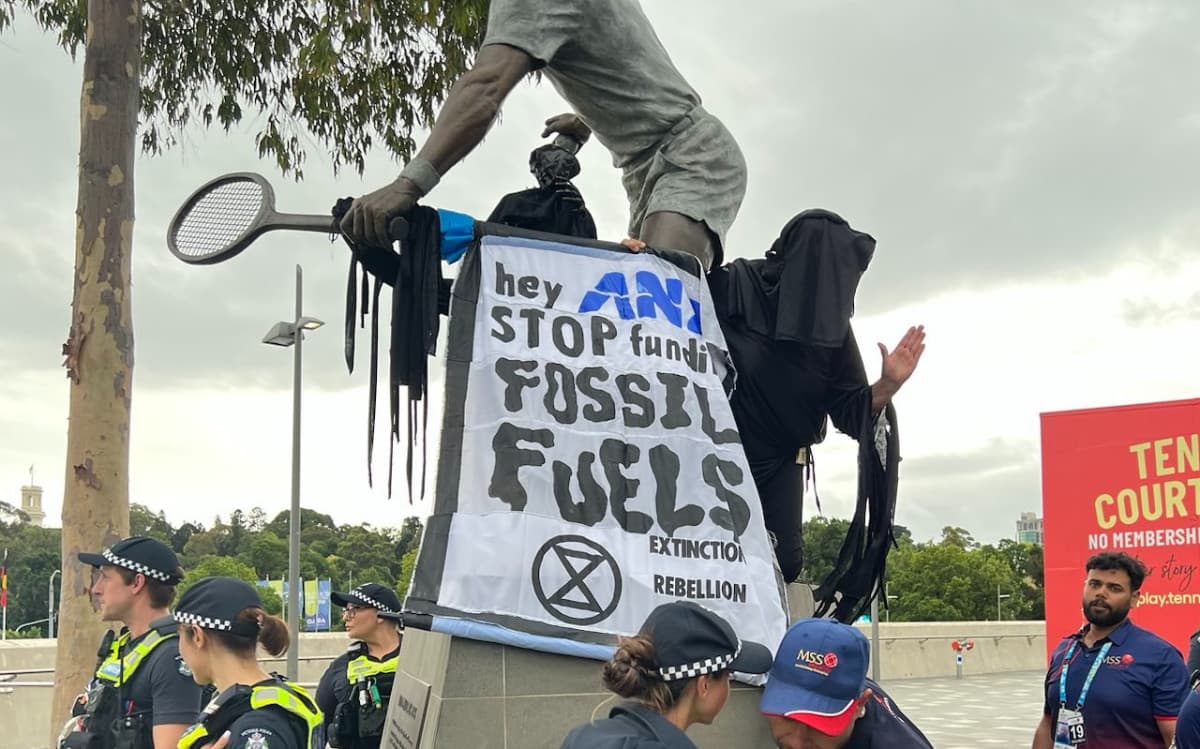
column 1030, row 176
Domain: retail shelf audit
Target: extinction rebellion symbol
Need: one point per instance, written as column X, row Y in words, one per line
column 576, row 580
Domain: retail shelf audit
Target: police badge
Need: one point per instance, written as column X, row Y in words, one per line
column 256, row 741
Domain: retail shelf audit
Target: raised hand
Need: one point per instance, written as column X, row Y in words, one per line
column 901, row 362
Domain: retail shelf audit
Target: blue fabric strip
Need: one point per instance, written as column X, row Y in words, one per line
column 458, row 231
column 488, row 632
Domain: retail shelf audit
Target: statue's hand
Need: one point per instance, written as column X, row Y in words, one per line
column 368, row 217
column 568, row 124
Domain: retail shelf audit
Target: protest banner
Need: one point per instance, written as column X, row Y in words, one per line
column 590, row 468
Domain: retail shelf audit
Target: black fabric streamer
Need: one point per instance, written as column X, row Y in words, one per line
column 415, row 274
column 856, row 578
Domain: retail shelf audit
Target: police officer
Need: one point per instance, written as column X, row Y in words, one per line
column 142, row 696
column 221, row 620
column 674, row 673
column 355, row 689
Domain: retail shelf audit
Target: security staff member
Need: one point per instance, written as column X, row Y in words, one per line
column 142, row 696
column 221, row 620
column 1112, row 683
column 355, row 689
column 818, row 695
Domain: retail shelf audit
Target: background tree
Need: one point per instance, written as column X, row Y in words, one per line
column 211, row 566
column 823, row 539
column 348, row 72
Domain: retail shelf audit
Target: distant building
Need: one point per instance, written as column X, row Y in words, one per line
column 1029, row 529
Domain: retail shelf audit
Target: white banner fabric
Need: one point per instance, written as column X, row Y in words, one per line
column 601, row 474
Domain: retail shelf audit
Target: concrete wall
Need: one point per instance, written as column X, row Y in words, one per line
column 907, row 651
column 922, row 649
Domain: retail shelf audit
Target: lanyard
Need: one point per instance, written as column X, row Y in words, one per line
column 1087, row 683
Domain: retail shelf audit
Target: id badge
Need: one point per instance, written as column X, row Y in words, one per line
column 1068, row 731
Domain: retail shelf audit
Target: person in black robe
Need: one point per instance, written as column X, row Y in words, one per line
column 786, row 320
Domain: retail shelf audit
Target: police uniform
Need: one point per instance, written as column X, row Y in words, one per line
column 272, row 714
column 1120, row 687
column 689, row 641
column 355, row 690
column 140, row 682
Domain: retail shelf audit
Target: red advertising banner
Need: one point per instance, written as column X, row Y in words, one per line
column 1127, row 479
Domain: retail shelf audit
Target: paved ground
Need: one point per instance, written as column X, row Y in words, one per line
column 975, row 711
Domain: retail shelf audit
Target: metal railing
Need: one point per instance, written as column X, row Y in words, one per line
column 8, row 677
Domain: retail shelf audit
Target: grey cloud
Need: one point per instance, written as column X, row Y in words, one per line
column 976, row 143
column 1147, row 312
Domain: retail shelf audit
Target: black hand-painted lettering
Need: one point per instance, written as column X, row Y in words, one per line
column 675, row 417
column 506, row 483
column 508, row 370
column 665, row 465
column 561, row 379
column 505, row 333
column 635, row 400
column 594, row 505
column 604, row 409
column 603, row 330
column 614, row 455
column 533, row 318
column 737, row 517
column 709, row 424
column 558, row 330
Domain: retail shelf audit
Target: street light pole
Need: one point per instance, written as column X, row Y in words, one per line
column 292, row 334
column 998, row 598
column 293, row 659
column 50, row 605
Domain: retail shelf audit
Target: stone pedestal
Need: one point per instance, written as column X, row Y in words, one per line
column 464, row 693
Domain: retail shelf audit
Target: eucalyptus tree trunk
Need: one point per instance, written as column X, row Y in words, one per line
column 98, row 354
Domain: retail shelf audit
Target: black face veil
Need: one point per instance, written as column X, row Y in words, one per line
column 804, row 292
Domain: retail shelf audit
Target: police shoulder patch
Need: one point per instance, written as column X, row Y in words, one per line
column 256, row 738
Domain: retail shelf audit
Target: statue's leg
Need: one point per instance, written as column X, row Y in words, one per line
column 675, row 231
column 782, row 501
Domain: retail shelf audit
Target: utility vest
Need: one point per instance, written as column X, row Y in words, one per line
column 109, row 720
column 363, row 713
column 238, row 700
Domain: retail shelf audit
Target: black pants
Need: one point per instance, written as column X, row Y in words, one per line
column 782, row 495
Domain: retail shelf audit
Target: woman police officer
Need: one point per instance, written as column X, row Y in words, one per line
column 221, row 620
column 674, row 673
column 356, row 688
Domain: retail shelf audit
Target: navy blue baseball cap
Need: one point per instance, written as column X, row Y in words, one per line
column 373, row 595
column 143, row 554
column 215, row 602
column 691, row 640
column 819, row 673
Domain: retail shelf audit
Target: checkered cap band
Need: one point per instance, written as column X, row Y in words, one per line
column 699, row 668
column 370, row 601
column 129, row 564
column 204, row 622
